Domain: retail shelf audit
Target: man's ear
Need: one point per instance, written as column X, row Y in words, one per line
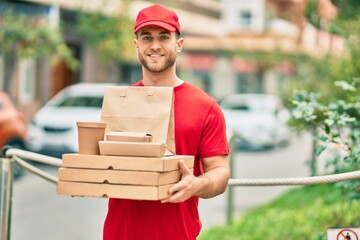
column 179, row 44
column 136, row 44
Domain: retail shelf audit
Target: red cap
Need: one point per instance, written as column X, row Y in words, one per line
column 157, row 15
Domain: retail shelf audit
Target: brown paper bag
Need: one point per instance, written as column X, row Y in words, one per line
column 141, row 109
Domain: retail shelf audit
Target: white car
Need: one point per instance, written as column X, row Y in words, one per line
column 53, row 129
column 257, row 121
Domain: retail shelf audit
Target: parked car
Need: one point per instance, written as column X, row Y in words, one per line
column 53, row 129
column 12, row 127
column 258, row 120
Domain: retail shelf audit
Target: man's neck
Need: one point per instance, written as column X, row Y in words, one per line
column 165, row 79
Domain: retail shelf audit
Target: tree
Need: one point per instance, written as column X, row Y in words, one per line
column 113, row 33
column 22, row 36
column 327, row 99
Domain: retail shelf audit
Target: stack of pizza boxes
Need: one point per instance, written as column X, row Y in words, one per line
column 119, row 164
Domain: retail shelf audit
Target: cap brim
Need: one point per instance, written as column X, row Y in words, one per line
column 157, row 24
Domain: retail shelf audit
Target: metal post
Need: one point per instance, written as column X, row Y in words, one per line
column 230, row 198
column 6, row 177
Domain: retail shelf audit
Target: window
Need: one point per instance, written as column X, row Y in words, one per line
column 245, row 18
column 249, row 83
column 203, row 80
column 82, row 101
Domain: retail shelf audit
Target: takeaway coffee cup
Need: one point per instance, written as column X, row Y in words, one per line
column 89, row 135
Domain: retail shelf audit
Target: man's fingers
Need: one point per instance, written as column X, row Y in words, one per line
column 176, row 191
column 183, row 168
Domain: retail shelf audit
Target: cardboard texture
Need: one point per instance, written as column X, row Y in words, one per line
column 155, row 164
column 141, row 109
column 118, row 176
column 89, row 134
column 140, row 149
column 128, row 136
column 113, row 191
column 138, row 159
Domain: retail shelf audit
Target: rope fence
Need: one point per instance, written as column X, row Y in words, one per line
column 33, row 156
column 18, row 154
column 35, row 170
column 295, row 181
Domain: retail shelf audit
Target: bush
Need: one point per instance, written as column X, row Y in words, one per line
column 302, row 213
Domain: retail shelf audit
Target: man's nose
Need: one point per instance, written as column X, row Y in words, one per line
column 155, row 44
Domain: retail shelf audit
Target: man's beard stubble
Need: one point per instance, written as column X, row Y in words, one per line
column 170, row 61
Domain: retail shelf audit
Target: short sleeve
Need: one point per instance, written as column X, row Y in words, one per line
column 213, row 138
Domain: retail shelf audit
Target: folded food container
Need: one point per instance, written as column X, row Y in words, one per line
column 143, row 149
column 123, row 136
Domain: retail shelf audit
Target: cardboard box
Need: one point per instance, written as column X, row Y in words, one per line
column 113, row 191
column 155, row 164
column 118, row 177
column 123, row 136
column 141, row 149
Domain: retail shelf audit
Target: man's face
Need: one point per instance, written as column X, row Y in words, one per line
column 157, row 48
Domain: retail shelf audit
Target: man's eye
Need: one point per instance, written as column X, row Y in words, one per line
column 147, row 38
column 164, row 37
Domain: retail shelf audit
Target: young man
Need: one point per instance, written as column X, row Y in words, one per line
column 199, row 131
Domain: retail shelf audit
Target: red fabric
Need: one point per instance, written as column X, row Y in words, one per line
column 199, row 131
column 157, row 15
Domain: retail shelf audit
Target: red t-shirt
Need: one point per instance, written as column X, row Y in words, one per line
column 200, row 132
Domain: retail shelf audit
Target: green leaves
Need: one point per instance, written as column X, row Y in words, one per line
column 29, row 37
column 306, row 106
column 346, row 86
column 337, row 124
column 110, row 35
column 319, row 149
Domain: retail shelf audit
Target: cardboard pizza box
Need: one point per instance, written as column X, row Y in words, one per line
column 155, row 164
column 118, row 176
column 113, row 190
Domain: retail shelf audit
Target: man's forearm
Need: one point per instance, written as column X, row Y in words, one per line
column 213, row 182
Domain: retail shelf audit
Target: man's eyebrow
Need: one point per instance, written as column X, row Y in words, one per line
column 145, row 33
column 165, row 32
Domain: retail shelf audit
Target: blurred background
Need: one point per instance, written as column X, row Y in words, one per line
column 230, row 46
column 285, row 72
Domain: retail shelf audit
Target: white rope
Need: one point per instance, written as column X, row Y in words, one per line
column 16, row 153
column 33, row 156
column 295, row 181
column 35, row 170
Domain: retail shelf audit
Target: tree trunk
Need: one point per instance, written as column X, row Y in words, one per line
column 313, row 160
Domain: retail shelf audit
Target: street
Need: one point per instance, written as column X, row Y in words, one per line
column 278, row 163
column 39, row 213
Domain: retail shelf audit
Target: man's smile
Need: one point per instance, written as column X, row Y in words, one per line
column 155, row 56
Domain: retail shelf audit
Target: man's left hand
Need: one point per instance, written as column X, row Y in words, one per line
column 185, row 188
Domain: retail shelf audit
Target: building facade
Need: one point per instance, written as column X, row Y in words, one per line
column 217, row 33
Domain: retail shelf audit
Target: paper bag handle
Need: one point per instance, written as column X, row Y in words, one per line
column 122, row 92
